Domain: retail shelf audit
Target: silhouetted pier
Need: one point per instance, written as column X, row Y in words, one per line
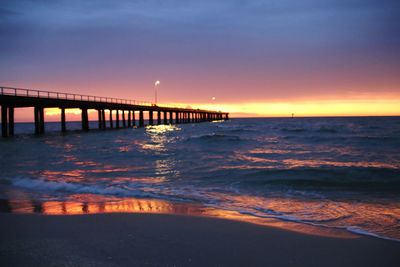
column 128, row 113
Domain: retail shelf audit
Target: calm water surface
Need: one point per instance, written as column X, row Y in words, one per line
column 336, row 173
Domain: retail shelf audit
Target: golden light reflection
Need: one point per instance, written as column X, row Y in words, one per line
column 335, row 214
column 124, row 149
column 91, row 205
column 157, row 144
column 298, row 163
column 146, row 180
column 128, row 205
column 166, row 167
column 74, row 175
column 162, row 128
column 275, row 151
column 286, row 225
column 158, row 138
column 294, row 163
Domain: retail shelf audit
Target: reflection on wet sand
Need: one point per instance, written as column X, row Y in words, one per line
column 129, row 205
column 136, row 205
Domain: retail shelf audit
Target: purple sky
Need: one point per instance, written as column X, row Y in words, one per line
column 238, row 51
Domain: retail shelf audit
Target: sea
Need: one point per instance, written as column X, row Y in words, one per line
column 330, row 173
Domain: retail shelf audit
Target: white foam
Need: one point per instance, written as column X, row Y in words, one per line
column 364, row 232
column 61, row 186
column 288, row 218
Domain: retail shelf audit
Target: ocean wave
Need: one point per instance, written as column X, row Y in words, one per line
column 237, row 130
column 278, row 214
column 68, row 187
column 224, row 128
column 117, row 190
column 319, row 223
column 327, row 129
column 350, row 131
column 378, row 138
column 215, row 137
column 293, row 130
column 355, row 179
column 316, row 129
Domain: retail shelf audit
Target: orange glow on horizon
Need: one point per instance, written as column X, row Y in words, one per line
column 310, row 108
column 367, row 105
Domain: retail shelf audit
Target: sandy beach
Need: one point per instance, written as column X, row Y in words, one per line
column 174, row 240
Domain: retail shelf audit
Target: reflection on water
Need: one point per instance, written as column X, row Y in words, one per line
column 336, row 173
column 262, row 159
column 155, row 206
column 158, row 137
column 157, row 144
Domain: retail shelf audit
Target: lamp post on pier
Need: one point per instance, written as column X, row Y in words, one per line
column 156, row 84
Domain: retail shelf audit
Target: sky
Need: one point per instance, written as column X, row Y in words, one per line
column 257, row 58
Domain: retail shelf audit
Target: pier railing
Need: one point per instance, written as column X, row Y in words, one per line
column 11, row 91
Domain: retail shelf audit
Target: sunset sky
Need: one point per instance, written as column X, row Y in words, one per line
column 257, row 58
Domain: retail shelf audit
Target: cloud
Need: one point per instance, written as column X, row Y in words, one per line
column 263, row 46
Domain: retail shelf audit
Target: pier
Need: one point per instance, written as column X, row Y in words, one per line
column 122, row 113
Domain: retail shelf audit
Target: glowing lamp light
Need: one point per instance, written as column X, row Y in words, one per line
column 155, row 91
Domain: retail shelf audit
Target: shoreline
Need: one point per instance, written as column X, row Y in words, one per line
column 122, row 239
column 166, row 207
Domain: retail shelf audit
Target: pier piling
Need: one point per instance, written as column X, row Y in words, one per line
column 158, row 117
column 165, row 117
column 85, row 119
column 111, row 119
column 10, row 121
column 129, row 119
column 63, row 123
column 99, row 119
column 123, row 119
column 4, row 121
column 141, row 120
column 103, row 119
column 151, row 122
column 117, row 119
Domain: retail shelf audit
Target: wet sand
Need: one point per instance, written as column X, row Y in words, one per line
column 175, row 240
